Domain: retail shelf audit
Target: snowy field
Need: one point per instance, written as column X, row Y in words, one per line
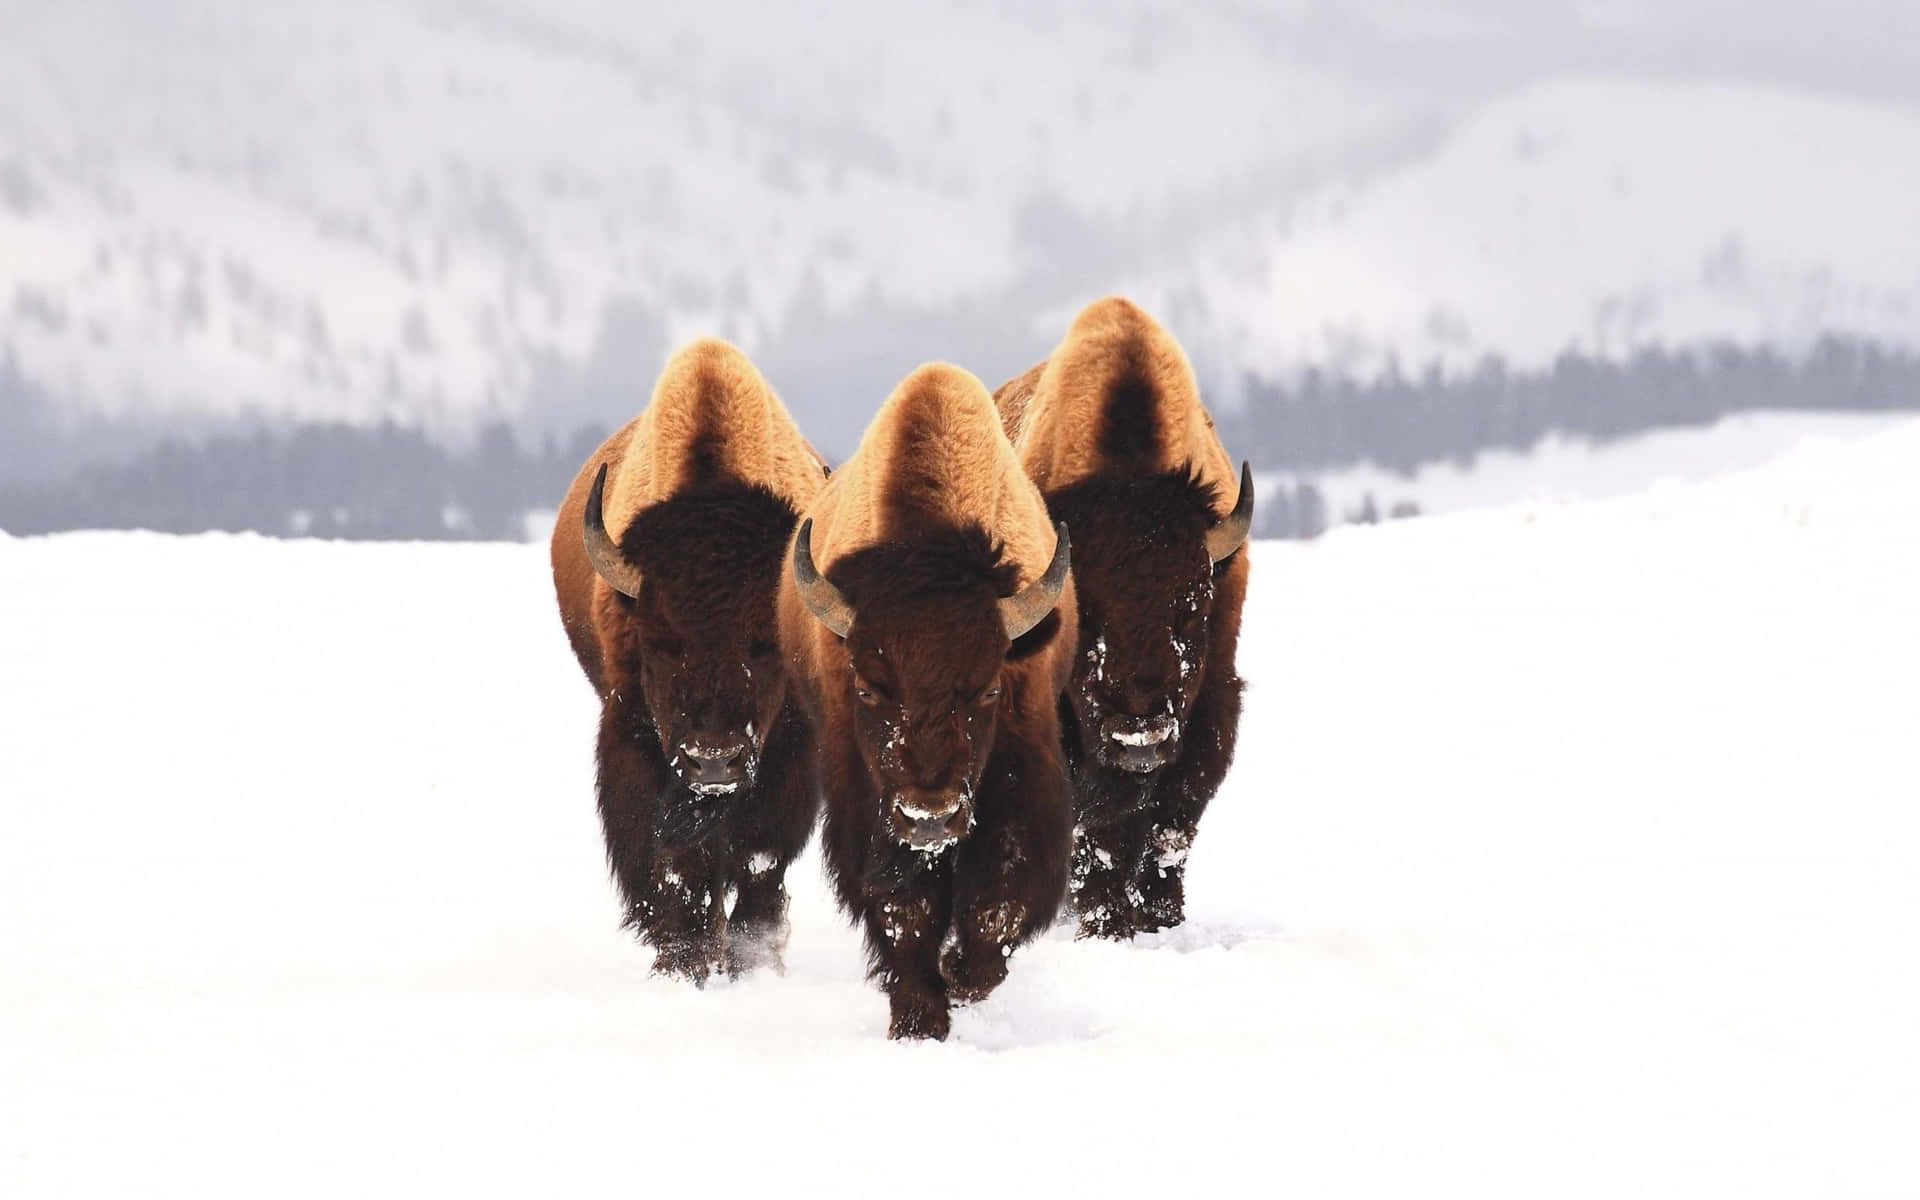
column 1573, row 850
column 1562, row 467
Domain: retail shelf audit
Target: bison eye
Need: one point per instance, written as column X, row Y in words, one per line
column 990, row 695
column 865, row 694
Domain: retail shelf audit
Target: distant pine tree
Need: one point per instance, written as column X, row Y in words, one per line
column 390, row 481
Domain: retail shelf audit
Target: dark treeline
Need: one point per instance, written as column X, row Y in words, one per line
column 391, row 482
column 332, row 481
column 1400, row 423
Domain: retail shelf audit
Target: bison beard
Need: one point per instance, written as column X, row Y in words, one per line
column 677, row 854
column 1139, row 563
column 940, row 926
column 675, row 887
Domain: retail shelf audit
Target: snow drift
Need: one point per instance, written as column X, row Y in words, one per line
column 1572, row 849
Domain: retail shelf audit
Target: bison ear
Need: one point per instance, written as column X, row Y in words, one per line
column 1034, row 640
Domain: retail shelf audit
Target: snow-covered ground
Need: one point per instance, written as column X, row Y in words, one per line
column 1572, row 851
column 1570, row 468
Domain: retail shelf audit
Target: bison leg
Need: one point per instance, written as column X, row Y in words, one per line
column 769, row 832
column 1009, row 875
column 1106, row 862
column 904, row 925
column 672, row 899
column 685, row 919
column 1160, row 890
column 633, row 774
column 758, row 927
column 1180, row 797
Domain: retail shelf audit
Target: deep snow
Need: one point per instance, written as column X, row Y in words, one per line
column 1563, row 467
column 1572, row 850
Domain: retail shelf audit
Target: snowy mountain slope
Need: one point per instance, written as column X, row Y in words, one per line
column 367, row 210
column 441, row 211
column 1595, row 214
column 1571, row 849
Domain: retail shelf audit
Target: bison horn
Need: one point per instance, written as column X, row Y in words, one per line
column 606, row 558
column 1036, row 600
column 822, row 599
column 1223, row 539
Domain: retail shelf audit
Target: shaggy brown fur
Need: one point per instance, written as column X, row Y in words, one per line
column 703, row 492
column 1118, row 392
column 925, row 706
column 933, row 454
column 1112, row 429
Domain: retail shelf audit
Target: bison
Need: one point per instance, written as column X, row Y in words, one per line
column 929, row 619
column 667, row 555
column 1111, row 429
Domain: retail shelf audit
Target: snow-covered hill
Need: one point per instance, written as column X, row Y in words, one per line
column 371, row 209
column 1572, row 851
column 1599, row 215
column 437, row 210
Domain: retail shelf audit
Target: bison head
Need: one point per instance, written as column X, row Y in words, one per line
column 929, row 626
column 1150, row 550
column 697, row 575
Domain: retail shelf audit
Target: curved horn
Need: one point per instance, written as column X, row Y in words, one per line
column 1031, row 606
column 822, row 599
column 612, row 566
column 1223, row 539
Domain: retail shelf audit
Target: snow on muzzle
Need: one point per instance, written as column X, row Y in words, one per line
column 714, row 766
column 1139, row 744
column 709, row 772
column 931, row 819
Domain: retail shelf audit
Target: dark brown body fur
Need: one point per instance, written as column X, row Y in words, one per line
column 1133, row 831
column 940, row 928
column 1112, row 428
column 907, row 701
column 694, row 655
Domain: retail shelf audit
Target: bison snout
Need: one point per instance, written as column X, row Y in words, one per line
column 931, row 820
column 714, row 766
column 1139, row 744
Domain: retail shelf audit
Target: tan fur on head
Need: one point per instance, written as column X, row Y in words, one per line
column 1056, row 413
column 934, row 450
column 710, row 391
column 709, row 399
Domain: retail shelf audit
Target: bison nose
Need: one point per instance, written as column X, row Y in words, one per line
column 931, row 820
column 716, row 765
column 919, row 806
column 1140, row 731
column 1138, row 744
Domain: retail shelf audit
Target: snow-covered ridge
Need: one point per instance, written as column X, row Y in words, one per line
column 363, row 210
column 427, row 210
column 1600, row 215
